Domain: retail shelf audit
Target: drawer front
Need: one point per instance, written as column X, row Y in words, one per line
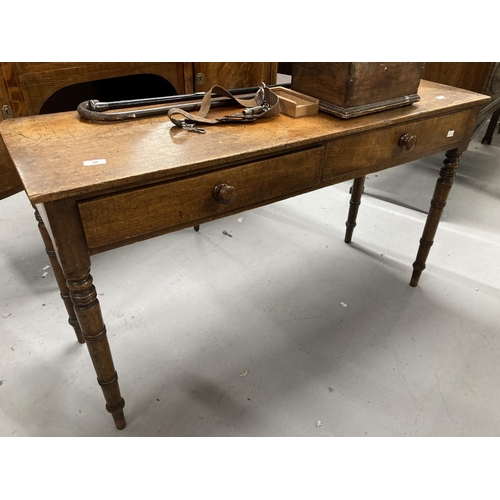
column 113, row 219
column 382, row 149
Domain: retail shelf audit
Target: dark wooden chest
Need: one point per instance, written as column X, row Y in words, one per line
column 349, row 89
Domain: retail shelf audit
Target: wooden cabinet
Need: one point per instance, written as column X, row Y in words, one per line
column 232, row 75
column 32, row 88
column 36, row 88
column 481, row 77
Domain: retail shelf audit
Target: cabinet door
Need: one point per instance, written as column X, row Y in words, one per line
column 464, row 75
column 31, row 85
column 233, row 75
column 481, row 77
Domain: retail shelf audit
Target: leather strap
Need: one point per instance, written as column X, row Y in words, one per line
column 265, row 104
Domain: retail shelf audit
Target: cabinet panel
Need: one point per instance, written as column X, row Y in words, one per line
column 464, row 75
column 481, row 77
column 233, row 75
column 30, row 85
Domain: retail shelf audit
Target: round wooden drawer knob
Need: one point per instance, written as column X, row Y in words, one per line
column 224, row 194
column 408, row 141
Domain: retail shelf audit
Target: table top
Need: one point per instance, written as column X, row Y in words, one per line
column 51, row 152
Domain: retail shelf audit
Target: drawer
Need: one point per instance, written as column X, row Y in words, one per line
column 384, row 149
column 113, row 219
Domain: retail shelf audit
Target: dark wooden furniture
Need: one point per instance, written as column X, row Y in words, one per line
column 349, row 89
column 481, row 77
column 96, row 187
column 26, row 87
column 32, row 88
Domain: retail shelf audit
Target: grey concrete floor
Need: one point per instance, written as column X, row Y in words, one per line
column 280, row 329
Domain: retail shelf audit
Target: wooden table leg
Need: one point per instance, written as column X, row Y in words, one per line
column 60, row 279
column 438, row 202
column 356, row 192
column 491, row 127
column 88, row 310
column 64, row 225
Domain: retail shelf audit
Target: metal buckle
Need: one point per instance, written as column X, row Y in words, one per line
column 190, row 127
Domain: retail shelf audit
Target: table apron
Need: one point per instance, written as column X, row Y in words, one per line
column 121, row 218
column 117, row 219
column 381, row 148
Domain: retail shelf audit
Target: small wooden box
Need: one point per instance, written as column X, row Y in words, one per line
column 295, row 104
column 349, row 89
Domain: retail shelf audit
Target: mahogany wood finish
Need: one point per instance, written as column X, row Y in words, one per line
column 408, row 141
column 356, row 192
column 155, row 178
column 438, row 202
column 224, row 193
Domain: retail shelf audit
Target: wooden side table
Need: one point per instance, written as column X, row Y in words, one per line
column 100, row 186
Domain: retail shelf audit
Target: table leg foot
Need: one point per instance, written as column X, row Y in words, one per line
column 118, row 415
column 419, row 264
column 438, row 202
column 356, row 192
column 119, row 419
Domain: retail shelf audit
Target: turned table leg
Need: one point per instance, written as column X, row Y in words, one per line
column 63, row 222
column 438, row 202
column 354, row 203
column 60, row 279
column 87, row 308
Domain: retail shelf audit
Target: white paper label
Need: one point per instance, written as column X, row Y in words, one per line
column 451, row 133
column 89, row 163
